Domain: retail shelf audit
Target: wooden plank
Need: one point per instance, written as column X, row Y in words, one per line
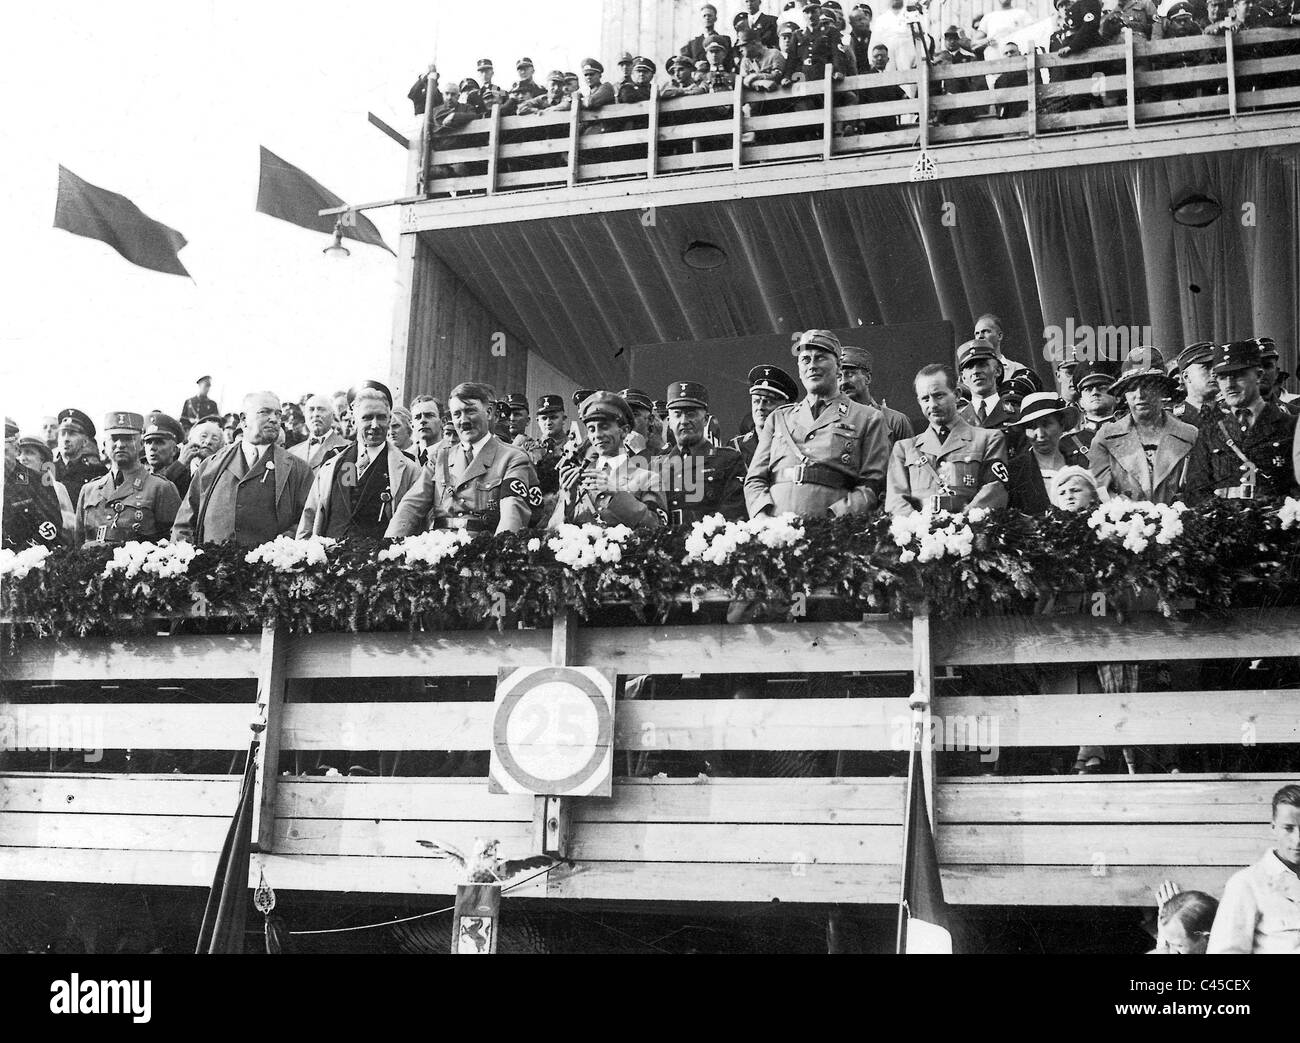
column 589, row 170
column 1126, row 718
column 1110, row 844
column 714, row 128
column 1133, row 886
column 652, row 132
column 113, row 832
column 79, row 794
column 923, row 102
column 387, row 726
column 876, row 142
column 828, row 112
column 1273, row 96
column 464, row 799
column 217, row 657
column 394, row 839
column 493, row 148
column 1031, row 95
column 1124, row 799
column 1130, row 80
column 126, row 726
column 575, row 119
column 1248, row 634
column 921, row 703
column 460, row 653
column 841, row 801
column 271, row 683
column 762, row 724
column 1178, row 107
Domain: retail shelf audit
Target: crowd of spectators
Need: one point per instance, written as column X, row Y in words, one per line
column 766, row 54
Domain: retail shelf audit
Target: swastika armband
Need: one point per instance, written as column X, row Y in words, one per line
column 1000, row 471
column 518, row 487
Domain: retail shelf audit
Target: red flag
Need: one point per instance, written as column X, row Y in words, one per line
column 922, row 912
column 96, row 213
column 292, row 195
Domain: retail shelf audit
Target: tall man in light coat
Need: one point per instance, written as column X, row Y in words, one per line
column 322, row 441
column 355, row 492
column 250, row 491
column 825, row 455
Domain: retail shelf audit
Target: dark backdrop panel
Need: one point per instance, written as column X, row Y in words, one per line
column 723, row 365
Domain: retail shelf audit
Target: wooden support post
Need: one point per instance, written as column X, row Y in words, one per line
column 270, row 712
column 1230, row 60
column 575, row 111
column 737, row 124
column 1130, row 77
column 652, row 133
column 922, row 699
column 426, row 143
column 828, row 113
column 1031, row 109
column 551, row 815
column 494, row 148
column 923, row 103
column 477, row 916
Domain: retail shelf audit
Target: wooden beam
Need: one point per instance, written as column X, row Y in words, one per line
column 737, row 125
column 433, row 799
column 494, row 148
column 575, row 132
column 271, row 683
column 401, row 139
column 1230, row 59
column 425, row 144
column 1031, row 98
column 125, row 726
column 218, row 657
column 828, row 112
column 922, row 99
column 1130, row 78
column 85, row 794
column 652, row 133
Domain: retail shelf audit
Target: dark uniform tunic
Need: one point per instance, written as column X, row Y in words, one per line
column 32, row 516
column 142, row 507
column 697, row 485
column 178, row 474
column 77, row 472
column 1217, row 469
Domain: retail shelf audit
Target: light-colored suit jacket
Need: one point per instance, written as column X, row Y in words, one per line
column 403, row 472
column 333, row 441
column 1119, row 463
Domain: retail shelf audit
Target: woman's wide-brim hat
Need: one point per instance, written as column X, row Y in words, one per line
column 1044, row 404
column 1143, row 364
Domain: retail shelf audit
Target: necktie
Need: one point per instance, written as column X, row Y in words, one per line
column 118, row 479
column 422, row 455
column 1243, row 420
column 982, row 413
column 817, row 408
column 313, row 442
column 469, row 455
column 363, row 461
column 942, row 432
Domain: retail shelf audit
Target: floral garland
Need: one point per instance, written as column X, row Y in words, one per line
column 1217, row 556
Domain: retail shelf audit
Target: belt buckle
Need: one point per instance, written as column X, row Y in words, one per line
column 800, row 471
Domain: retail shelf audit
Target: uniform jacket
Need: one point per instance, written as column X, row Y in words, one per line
column 746, row 445
column 143, row 507
column 847, row 438
column 209, row 515
column 32, row 516
column 696, row 485
column 1118, row 461
column 178, row 474
column 198, row 406
column 315, row 455
column 1026, row 492
column 1082, row 25
column 1268, row 445
column 418, row 95
column 500, row 485
column 764, row 26
column 635, row 500
column 78, row 471
column 998, row 418
column 972, row 463
column 694, row 49
column 322, row 505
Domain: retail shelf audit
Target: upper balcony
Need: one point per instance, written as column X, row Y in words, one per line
column 1133, row 100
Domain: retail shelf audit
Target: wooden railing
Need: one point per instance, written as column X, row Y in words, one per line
column 821, row 838
column 1119, row 86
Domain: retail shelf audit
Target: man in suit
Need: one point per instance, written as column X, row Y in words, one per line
column 354, row 492
column 322, row 440
column 694, row 49
column 825, row 455
column 696, row 478
column 198, row 406
column 130, row 502
column 1244, row 449
column 769, row 387
column 250, row 491
column 77, row 461
column 426, row 415
column 1144, row 455
column 761, row 24
column 1194, row 370
column 855, row 381
column 479, row 484
column 951, row 465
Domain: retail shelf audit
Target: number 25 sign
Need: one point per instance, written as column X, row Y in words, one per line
column 553, row 731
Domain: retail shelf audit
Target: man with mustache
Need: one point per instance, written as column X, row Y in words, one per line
column 855, row 381
column 697, row 478
column 825, row 456
column 479, row 483
column 769, row 387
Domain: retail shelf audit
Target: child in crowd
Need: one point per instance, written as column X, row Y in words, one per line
column 1075, row 489
column 1184, row 921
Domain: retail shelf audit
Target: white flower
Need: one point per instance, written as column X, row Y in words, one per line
column 428, row 548
column 1136, row 523
column 534, row 545
column 163, row 559
column 582, row 546
column 16, row 565
column 286, row 554
column 1289, row 514
column 715, row 540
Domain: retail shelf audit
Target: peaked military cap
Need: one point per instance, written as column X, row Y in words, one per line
column 605, row 405
column 773, row 380
column 160, row 425
column 1237, row 355
column 637, row 397
column 123, row 423
column 550, row 404
column 973, row 351
column 78, row 419
column 37, row 444
column 687, row 393
column 818, row 340
column 373, row 385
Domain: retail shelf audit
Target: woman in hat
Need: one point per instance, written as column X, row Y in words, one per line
column 1044, row 418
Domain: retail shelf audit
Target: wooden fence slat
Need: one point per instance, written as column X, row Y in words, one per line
column 126, row 726
column 78, row 794
column 219, row 657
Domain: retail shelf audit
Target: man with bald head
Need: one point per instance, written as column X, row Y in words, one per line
column 250, row 491
column 322, row 441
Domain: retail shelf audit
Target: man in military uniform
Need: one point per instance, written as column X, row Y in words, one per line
column 637, row 88
column 162, row 437
column 31, row 508
column 982, row 374
column 128, row 503
column 516, row 418
column 198, row 406
column 698, row 479
column 988, row 327
column 824, row 455
column 609, row 485
column 525, row 88
column 855, row 381
column 77, row 460
column 479, row 484
column 250, row 491
column 354, row 492
column 1143, row 455
column 645, row 437
column 1194, row 370
column 36, row 456
column 545, row 452
column 596, row 93
column 769, row 387
column 1097, row 406
column 1244, row 449
column 950, row 465
column 1270, row 380
column 761, row 24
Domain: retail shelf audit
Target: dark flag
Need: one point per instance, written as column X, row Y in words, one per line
column 96, row 213
column 922, row 912
column 226, row 914
column 288, row 193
